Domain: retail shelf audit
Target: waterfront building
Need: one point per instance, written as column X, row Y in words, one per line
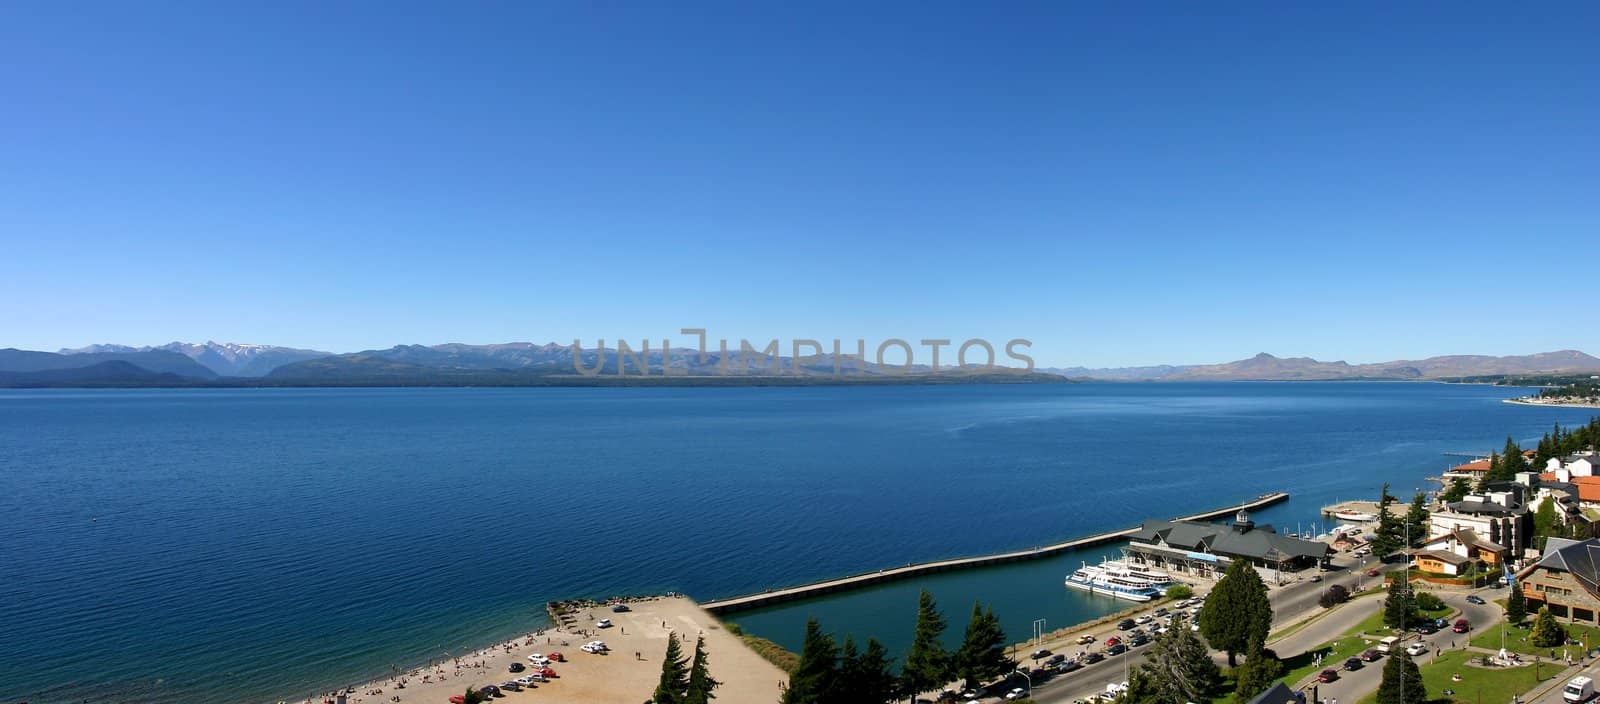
column 1566, row 580
column 1497, row 516
column 1474, row 470
column 1206, row 549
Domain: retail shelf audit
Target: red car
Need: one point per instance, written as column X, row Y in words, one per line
column 1327, row 676
column 544, row 672
column 1372, row 573
column 1461, row 626
column 1113, row 640
column 556, row 657
column 457, row 699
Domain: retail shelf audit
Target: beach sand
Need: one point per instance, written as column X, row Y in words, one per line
column 618, row 678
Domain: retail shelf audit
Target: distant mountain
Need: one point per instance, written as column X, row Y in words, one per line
column 223, row 358
column 1265, row 367
column 109, row 373
column 158, row 361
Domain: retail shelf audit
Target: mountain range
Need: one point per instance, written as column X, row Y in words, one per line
column 526, row 363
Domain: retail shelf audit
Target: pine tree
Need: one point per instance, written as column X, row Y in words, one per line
column 876, row 681
column 1402, row 681
column 1387, row 538
column 927, row 663
column 1400, row 607
column 1417, row 520
column 674, row 674
column 1516, row 606
column 813, row 678
column 1546, row 633
column 1259, row 671
column 1237, row 611
column 982, row 656
column 1545, row 523
column 1141, row 689
column 701, row 686
column 1180, row 667
column 849, row 677
column 1458, row 490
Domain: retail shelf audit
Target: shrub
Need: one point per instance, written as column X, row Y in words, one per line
column 1428, row 602
column 1334, row 596
column 1179, row 591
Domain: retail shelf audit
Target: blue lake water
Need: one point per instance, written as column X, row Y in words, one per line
column 251, row 545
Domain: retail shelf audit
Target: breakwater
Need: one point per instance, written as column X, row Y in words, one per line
column 775, row 596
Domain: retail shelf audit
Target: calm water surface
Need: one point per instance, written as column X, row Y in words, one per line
column 251, row 545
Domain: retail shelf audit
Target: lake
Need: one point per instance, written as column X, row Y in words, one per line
column 252, row 545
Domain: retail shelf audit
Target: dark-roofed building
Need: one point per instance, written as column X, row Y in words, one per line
column 1566, row 579
column 1206, row 549
column 1498, row 517
column 1279, row 693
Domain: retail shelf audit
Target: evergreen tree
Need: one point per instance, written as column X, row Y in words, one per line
column 1180, row 666
column 982, row 656
column 1259, row 671
column 1516, row 606
column 1237, row 611
column 474, row 696
column 1545, row 522
column 875, row 681
column 1402, row 681
column 849, row 676
column 1417, row 520
column 1458, row 490
column 1388, row 534
column 813, row 679
column 1400, row 607
column 674, row 674
column 1141, row 689
column 927, row 663
column 1546, row 632
column 701, row 686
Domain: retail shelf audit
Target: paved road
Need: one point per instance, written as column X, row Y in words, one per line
column 1287, row 602
column 1351, row 686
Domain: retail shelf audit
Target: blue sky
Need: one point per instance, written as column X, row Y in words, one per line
column 1135, row 184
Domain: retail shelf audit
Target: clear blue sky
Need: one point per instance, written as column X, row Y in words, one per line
column 1168, row 183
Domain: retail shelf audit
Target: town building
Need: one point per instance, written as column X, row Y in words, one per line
column 1497, row 516
column 1474, row 470
column 1459, row 552
column 1206, row 549
column 1566, row 580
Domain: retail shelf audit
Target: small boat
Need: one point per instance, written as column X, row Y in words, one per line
column 1350, row 515
column 1098, row 580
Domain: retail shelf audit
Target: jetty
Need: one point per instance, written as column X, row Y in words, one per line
column 803, row 591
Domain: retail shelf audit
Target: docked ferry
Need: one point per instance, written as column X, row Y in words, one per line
column 1096, row 579
column 1156, row 578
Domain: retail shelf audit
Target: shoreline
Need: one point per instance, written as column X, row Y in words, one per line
column 1525, row 402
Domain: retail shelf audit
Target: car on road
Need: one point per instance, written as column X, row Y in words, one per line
column 1416, row 649
column 1040, row 653
column 1475, row 599
column 620, row 609
column 1085, row 639
column 1371, row 655
column 1373, row 572
column 1068, row 666
column 1117, row 649
column 1461, row 626
column 1327, row 676
column 1126, row 624
column 1015, row 694
column 1093, row 658
column 1138, row 640
column 1352, row 664
column 1144, row 618
column 1055, row 659
column 511, row 686
column 1427, row 628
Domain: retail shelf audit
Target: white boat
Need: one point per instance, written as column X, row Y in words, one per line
column 1349, row 515
column 1098, row 580
column 1156, row 578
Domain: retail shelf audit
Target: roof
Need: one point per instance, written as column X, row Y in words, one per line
column 1259, row 542
column 1485, row 507
column 1278, row 693
column 1588, row 488
column 1444, row 556
column 1581, row 559
column 1469, row 538
column 1473, row 466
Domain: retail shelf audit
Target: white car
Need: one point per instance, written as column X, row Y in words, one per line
column 529, row 680
column 538, row 659
column 604, row 623
column 1015, row 694
column 1144, row 619
column 1416, row 649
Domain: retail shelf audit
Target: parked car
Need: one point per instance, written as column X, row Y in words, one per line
column 1015, row 694
column 1475, row 599
column 1092, row 658
column 1416, row 649
column 511, row 685
column 1126, row 624
column 1327, row 676
column 1161, row 611
column 1145, row 618
column 1068, row 666
column 1113, row 640
column 556, row 657
column 1352, row 664
column 517, row 667
column 1117, row 649
column 527, row 681
column 1040, row 654
column 1373, row 572
column 1055, row 659
column 1427, row 628
column 489, row 690
column 1138, row 640
column 604, row 623
column 538, row 659
column 620, row 609
column 546, row 673
column 1085, row 639
column 1461, row 626
column 1371, row 655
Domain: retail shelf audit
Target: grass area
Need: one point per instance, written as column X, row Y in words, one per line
column 1516, row 639
column 1477, row 684
column 1351, row 643
column 768, row 650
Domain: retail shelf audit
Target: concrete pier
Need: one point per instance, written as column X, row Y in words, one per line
column 887, row 575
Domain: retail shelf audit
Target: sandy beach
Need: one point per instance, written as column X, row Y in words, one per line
column 627, row 675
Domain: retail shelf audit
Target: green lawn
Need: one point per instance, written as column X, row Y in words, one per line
column 1494, row 685
column 1516, row 639
column 1360, row 637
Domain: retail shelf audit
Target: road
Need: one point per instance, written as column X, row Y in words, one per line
column 1288, row 602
